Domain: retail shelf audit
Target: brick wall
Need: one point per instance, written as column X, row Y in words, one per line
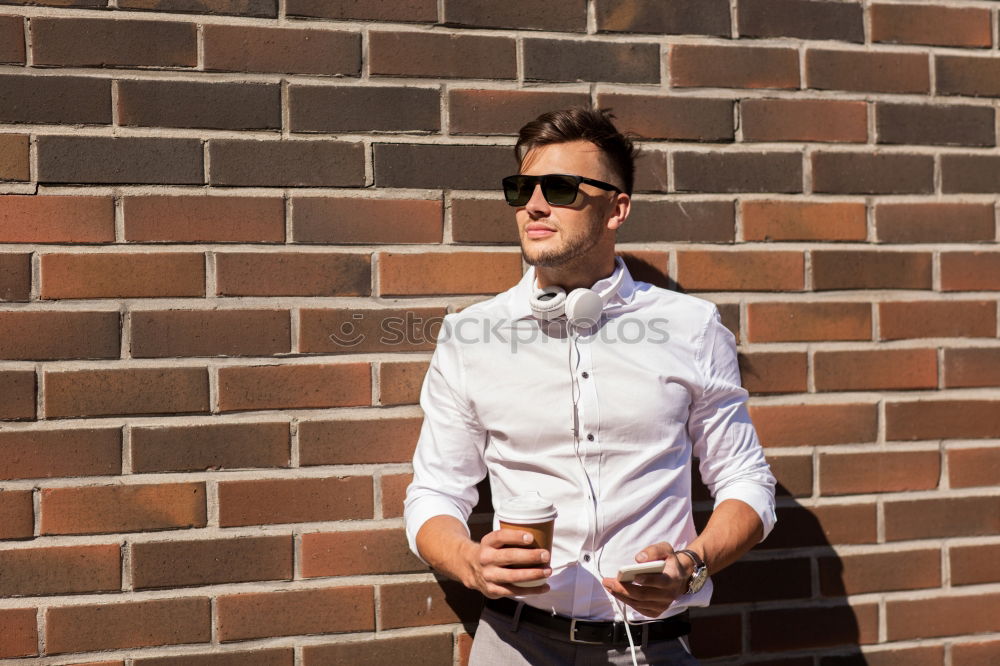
column 197, row 193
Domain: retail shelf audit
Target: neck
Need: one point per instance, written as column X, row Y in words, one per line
column 570, row 276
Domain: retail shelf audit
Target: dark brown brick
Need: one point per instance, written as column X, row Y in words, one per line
column 676, row 221
column 934, row 26
column 679, row 117
column 972, row 367
column 126, row 391
column 256, row 8
column 840, row 21
column 293, row 274
column 56, row 219
column 878, row 472
column 774, row 372
column 138, row 160
column 15, row 277
column 441, row 55
column 210, row 447
column 486, row 221
column 804, row 120
column 733, row 66
column 879, row 572
column 429, row 650
column 970, row 271
column 120, row 275
column 447, row 273
column 794, row 475
column 14, row 157
column 651, row 171
column 49, row 336
column 242, row 48
column 18, row 390
column 273, row 501
column 942, row 419
column 20, row 632
column 503, row 111
column 665, row 17
column 970, row 173
column 55, row 99
column 442, row 167
column 941, row 616
column 215, row 105
column 859, row 269
column 974, row 564
column 777, row 220
column 43, row 454
column 364, row 109
column 716, row 635
column 294, row 386
column 312, row 611
column 286, row 163
column 808, row 322
column 572, row 60
column 132, row 624
column 211, row 561
column 113, row 43
column 132, row 508
column 420, row 11
column 204, row 219
column 872, row 173
column 718, row 270
column 393, row 494
column 66, row 570
column 738, row 172
column 170, row 333
column 358, row 331
column 822, row 626
column 934, row 222
column 815, row 425
column 12, row 40
column 423, row 604
column 92, row 4
column 974, row 467
column 937, row 319
column 564, row 16
column 866, row 71
column 961, row 75
column 267, row 657
column 399, row 383
column 347, row 553
column 343, row 220
column 358, row 441
column 941, row 125
column 755, row 581
column 17, row 513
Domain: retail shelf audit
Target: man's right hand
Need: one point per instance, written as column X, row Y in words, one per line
column 490, row 561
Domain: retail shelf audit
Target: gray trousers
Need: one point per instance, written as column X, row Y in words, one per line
column 499, row 642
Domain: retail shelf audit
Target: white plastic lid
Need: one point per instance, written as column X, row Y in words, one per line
column 527, row 508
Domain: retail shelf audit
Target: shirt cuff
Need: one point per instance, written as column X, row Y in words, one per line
column 760, row 499
column 420, row 510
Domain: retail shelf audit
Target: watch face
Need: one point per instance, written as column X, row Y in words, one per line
column 698, row 579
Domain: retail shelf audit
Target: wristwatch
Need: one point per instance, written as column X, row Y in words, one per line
column 700, row 574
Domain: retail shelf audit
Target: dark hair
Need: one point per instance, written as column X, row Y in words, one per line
column 581, row 123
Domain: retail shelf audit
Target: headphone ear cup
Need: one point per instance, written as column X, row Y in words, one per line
column 548, row 303
column 583, row 308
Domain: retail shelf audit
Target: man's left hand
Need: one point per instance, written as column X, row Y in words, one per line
column 651, row 594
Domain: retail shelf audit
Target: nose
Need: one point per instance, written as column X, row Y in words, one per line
column 537, row 206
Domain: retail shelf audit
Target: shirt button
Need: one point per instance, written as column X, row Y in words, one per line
column 586, row 558
column 585, row 374
column 590, row 437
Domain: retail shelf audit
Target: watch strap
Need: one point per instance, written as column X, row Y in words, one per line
column 698, row 562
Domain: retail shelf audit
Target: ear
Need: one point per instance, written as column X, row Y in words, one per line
column 620, row 208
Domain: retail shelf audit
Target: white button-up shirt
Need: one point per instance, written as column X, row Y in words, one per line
column 601, row 422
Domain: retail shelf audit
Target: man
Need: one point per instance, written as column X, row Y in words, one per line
column 600, row 411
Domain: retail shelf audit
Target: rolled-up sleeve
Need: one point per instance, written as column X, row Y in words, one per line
column 731, row 458
column 448, row 462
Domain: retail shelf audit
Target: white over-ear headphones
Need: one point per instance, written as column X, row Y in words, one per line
column 582, row 307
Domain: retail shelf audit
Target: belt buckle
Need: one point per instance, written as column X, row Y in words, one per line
column 574, row 639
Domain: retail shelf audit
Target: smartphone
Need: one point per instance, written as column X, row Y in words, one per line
column 628, row 572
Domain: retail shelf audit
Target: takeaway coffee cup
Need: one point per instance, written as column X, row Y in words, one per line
column 534, row 514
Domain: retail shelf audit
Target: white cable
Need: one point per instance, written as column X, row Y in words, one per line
column 631, row 643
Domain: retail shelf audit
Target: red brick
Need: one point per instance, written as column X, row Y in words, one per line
column 974, row 564
column 961, row 75
column 358, row 441
column 12, row 39
column 211, row 561
column 934, row 222
column 650, row 266
column 132, row 508
column 425, row 11
column 733, row 66
column 286, row 163
column 312, row 611
column 503, row 111
column 293, row 274
column 296, row 386
column 215, row 105
column 841, row 21
column 429, row 166
column 716, row 635
column 42, row 454
column 970, row 173
column 717, row 270
column 204, row 219
column 974, row 467
column 941, row 518
column 393, row 494
column 364, row 109
column 778, row 220
column 879, row 572
column 431, row 650
column 774, row 372
column 804, row 119
column 934, row 26
column 273, row 501
column 651, row 171
column 937, row 319
column 935, row 124
column 677, row 117
column 757, row 581
column 125, row 391
column 344, row 220
column 867, row 71
column 880, row 472
column 210, row 447
column 854, row 269
column 823, row 526
column 67, row 570
column 256, row 8
column 669, row 17
column 15, row 277
column 46, row 336
column 674, row 221
column 942, row 419
column 970, row 271
column 738, row 172
column 357, row 553
column 974, row 654
column 422, row 604
column 129, row 160
column 113, row 43
column 17, row 514
column 965, row 366
column 174, row 333
column 447, row 273
column 18, row 390
column 18, row 632
column 808, row 322
column 464, row 648
column 121, row 275
column 573, row 60
column 14, row 158
column 441, row 55
column 360, row 331
column 872, row 173
column 942, row 616
column 399, row 383
column 281, row 50
column 266, row 657
column 821, row 626
column 125, row 625
column 56, row 219
column 565, row 16
column 875, row 369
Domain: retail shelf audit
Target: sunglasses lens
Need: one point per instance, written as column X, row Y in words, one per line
column 517, row 190
column 559, row 190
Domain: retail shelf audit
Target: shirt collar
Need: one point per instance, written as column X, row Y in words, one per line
column 520, row 309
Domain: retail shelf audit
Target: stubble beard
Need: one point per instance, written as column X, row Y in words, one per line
column 570, row 250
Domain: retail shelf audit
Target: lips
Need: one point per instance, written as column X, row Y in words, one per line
column 536, row 230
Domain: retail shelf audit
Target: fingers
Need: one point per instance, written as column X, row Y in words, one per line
column 506, row 537
column 658, row 551
column 505, row 561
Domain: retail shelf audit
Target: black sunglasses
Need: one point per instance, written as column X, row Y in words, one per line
column 559, row 189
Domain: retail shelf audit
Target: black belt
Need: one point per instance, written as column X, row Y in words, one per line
column 587, row 631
